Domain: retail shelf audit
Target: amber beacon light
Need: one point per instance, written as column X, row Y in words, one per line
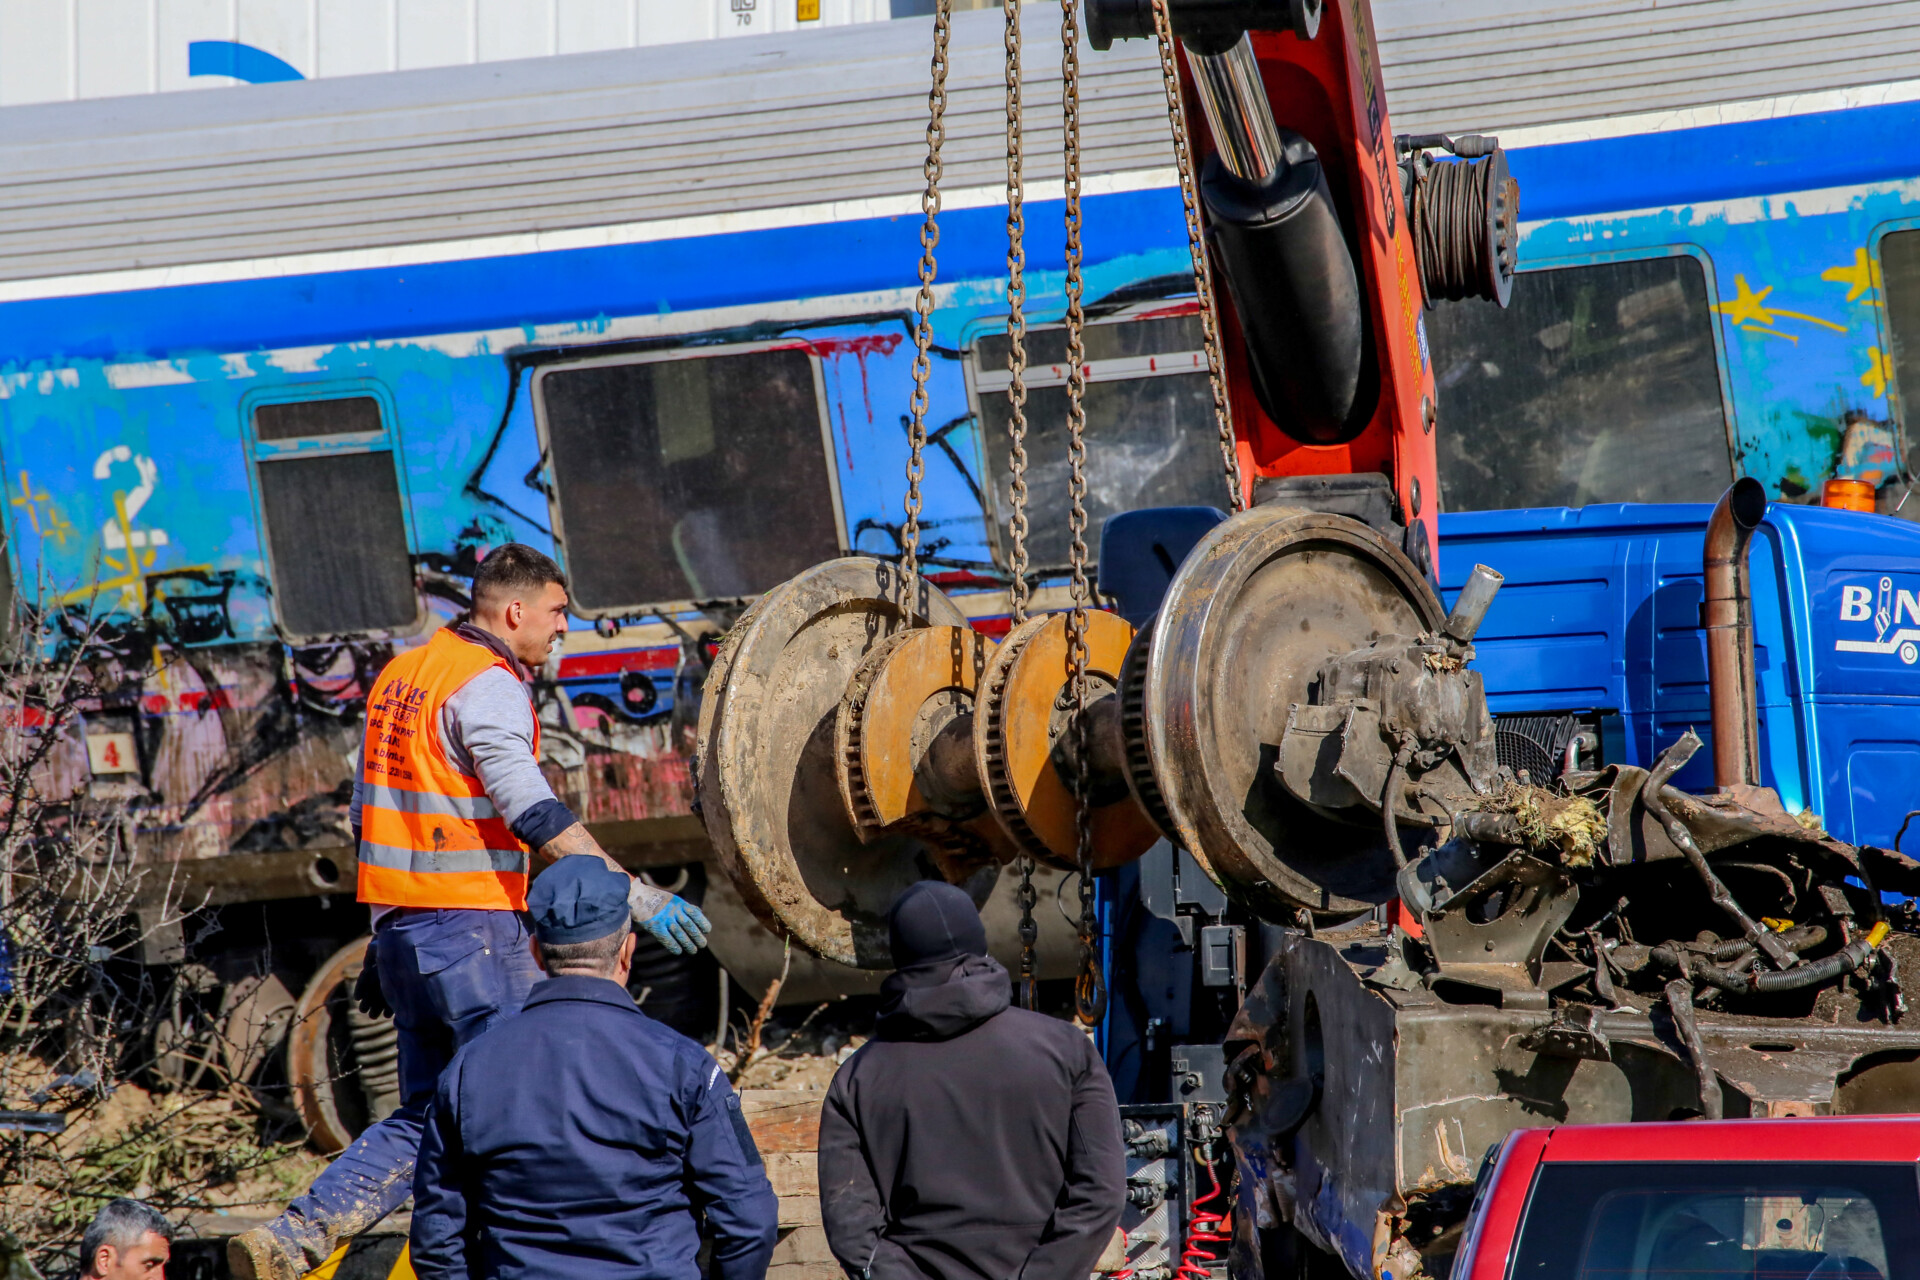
column 1847, row 495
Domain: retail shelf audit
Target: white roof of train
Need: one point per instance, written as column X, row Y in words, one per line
column 834, row 118
column 1501, row 65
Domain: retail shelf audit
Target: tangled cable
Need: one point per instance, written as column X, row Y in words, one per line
column 1466, row 228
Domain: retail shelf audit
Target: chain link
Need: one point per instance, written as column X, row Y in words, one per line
column 1090, row 994
column 1202, row 265
column 923, row 302
column 1017, row 589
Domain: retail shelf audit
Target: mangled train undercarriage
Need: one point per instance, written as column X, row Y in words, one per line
column 1605, row 949
column 1452, row 948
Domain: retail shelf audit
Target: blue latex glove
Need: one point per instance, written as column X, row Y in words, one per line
column 681, row 927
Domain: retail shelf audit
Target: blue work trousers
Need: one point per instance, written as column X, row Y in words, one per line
column 449, row 975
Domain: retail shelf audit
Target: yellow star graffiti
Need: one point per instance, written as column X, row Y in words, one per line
column 128, row 575
column 52, row 523
column 59, row 528
column 30, row 499
column 1749, row 311
column 1879, row 371
column 1862, row 277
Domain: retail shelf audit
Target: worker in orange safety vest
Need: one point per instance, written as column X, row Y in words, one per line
column 449, row 806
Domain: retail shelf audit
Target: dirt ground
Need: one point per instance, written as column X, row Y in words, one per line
column 188, row 1153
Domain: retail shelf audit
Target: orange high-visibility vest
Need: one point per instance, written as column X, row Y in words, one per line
column 429, row 836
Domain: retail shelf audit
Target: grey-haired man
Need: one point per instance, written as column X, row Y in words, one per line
column 126, row 1240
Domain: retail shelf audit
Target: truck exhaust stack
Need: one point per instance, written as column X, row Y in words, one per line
column 1727, row 616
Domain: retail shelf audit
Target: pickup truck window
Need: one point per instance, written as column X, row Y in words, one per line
column 1641, row 1221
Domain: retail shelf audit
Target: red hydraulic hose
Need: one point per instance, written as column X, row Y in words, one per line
column 1202, row 1230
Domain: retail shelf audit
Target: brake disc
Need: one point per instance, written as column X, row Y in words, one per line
column 769, row 791
column 905, row 747
column 1025, row 712
column 1254, row 611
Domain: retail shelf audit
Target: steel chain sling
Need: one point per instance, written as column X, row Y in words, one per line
column 923, row 305
column 1202, row 265
column 1089, row 989
column 1017, row 591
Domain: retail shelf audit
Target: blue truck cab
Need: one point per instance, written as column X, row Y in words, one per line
column 1600, row 618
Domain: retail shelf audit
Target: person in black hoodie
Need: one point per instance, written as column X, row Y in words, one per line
column 967, row 1140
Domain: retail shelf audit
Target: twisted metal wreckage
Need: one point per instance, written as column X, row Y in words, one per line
column 1453, row 948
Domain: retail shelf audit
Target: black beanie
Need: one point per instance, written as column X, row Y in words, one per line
column 932, row 920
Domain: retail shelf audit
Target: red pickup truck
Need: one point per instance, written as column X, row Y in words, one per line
column 1782, row 1199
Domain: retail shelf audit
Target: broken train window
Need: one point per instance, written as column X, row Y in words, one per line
column 1598, row 383
column 1150, row 432
column 687, row 475
column 333, row 515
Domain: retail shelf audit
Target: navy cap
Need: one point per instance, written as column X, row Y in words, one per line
column 577, row 899
column 932, row 920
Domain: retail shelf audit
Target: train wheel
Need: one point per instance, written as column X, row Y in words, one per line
column 1255, row 611
column 770, row 793
column 344, row 1066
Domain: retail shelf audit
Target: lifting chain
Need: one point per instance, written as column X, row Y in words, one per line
column 1202, row 266
column 1017, row 590
column 1089, row 991
column 923, row 302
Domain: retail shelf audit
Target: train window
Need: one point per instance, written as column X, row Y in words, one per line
column 1150, row 436
column 1900, row 281
column 308, row 419
column 1598, row 384
column 687, row 478
column 335, row 518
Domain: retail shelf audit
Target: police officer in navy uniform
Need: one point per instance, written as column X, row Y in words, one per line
column 583, row 1139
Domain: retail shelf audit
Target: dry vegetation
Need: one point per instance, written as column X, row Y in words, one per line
column 77, row 1010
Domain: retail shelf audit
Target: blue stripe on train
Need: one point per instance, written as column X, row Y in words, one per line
column 567, row 285
column 1717, row 162
column 1675, row 168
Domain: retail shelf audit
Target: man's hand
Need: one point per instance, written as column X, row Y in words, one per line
column 681, row 927
column 366, row 988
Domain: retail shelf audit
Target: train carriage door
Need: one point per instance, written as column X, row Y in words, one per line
column 691, row 475
column 332, row 510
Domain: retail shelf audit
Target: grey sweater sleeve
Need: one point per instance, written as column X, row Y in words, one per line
column 488, row 730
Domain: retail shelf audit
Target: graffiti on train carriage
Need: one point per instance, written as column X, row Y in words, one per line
column 1746, row 306
column 685, row 421
column 268, row 581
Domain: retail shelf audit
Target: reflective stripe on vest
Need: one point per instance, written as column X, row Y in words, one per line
column 429, row 836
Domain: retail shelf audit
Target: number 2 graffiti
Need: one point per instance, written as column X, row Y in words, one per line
column 118, row 533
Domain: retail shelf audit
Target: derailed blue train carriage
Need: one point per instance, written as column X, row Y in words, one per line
column 281, row 365
column 278, row 364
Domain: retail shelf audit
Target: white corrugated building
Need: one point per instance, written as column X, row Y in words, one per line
column 1464, row 64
